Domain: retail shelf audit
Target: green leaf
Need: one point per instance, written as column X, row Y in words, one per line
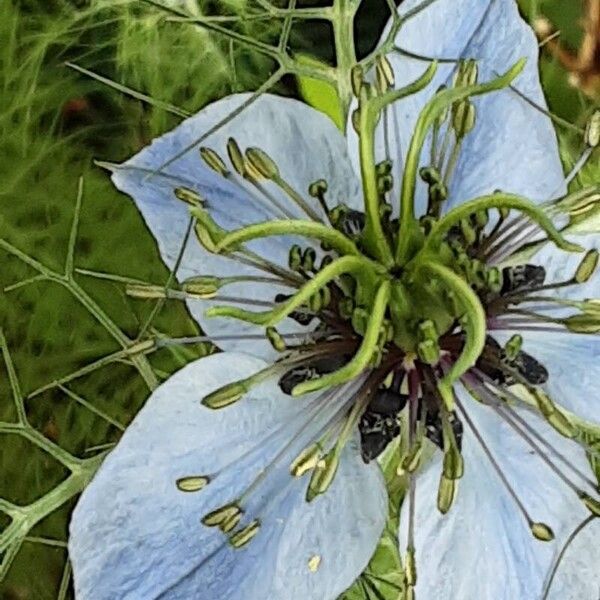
column 320, row 94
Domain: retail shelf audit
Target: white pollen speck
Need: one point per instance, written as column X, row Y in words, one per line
column 313, row 563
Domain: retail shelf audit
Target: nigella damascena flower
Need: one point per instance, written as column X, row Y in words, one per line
column 367, row 294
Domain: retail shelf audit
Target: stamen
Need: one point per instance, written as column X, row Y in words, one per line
column 232, row 392
column 534, row 433
column 192, row 483
column 517, row 424
column 327, row 466
column 243, row 536
column 221, row 514
column 540, row 530
column 358, row 266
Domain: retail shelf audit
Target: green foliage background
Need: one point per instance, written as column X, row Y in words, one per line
column 54, row 121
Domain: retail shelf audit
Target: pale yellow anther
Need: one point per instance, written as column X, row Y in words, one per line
column 587, row 266
column 262, row 162
column 202, row 286
column 243, row 536
column 236, row 157
column 230, row 523
column 141, row 347
column 322, row 475
column 356, row 79
column 554, row 415
column 221, row 514
column 306, row 460
column 384, row 73
column 542, row 532
column 413, row 459
column 592, row 130
column 447, row 491
column 188, row 196
column 275, row 339
column 224, row 396
column 454, row 465
column 192, row 483
column 591, row 503
column 214, row 161
column 314, row 563
column 145, row 292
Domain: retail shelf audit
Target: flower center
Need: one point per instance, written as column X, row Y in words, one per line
column 396, row 308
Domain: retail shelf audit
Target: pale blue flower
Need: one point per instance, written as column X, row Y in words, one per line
column 135, row 534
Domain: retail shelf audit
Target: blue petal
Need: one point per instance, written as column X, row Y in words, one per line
column 483, row 547
column 513, row 146
column 306, row 146
column 134, row 535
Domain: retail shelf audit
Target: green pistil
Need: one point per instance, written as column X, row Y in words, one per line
column 498, row 201
column 362, row 358
column 362, row 269
column 436, row 106
column 336, row 240
column 473, row 322
column 368, row 114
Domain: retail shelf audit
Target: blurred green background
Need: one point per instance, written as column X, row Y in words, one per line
column 54, row 121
